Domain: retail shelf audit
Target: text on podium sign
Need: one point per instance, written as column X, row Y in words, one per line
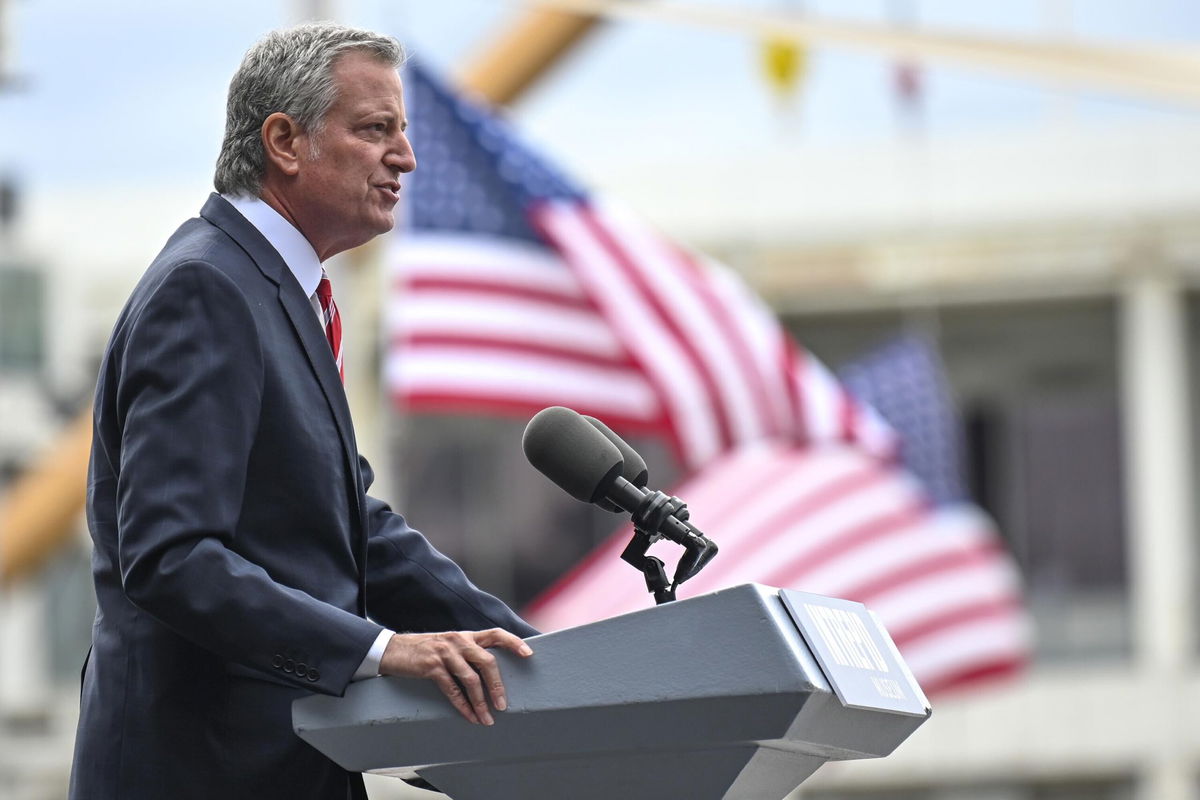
column 856, row 654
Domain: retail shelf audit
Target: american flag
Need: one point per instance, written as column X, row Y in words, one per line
column 516, row 291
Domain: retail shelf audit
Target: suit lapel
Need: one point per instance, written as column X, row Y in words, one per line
column 320, row 358
column 304, row 322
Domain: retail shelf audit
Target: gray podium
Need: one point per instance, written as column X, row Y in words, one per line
column 742, row 693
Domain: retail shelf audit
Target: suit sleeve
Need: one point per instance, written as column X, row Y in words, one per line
column 411, row 587
column 189, row 402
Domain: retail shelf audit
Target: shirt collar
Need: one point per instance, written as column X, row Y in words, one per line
column 291, row 245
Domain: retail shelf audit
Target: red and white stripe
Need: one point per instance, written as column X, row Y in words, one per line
column 834, row 521
column 722, row 366
column 502, row 327
column 623, row 326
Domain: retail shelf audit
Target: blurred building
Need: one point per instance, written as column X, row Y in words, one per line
column 1056, row 271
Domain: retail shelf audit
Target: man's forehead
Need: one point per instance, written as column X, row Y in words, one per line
column 363, row 80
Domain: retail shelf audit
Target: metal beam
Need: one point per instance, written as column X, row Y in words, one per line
column 1160, row 72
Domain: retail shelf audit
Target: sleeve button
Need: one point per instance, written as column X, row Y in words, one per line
column 301, row 670
column 277, row 661
column 314, row 674
column 289, row 666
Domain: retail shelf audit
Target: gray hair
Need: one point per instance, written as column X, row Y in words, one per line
column 288, row 71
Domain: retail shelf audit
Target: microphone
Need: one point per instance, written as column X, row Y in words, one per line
column 561, row 445
column 634, row 468
column 585, row 460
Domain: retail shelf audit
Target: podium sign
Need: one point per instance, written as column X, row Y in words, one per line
column 856, row 654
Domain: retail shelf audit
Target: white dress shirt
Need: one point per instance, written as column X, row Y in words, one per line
column 302, row 260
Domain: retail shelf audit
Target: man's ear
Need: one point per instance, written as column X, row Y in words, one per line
column 281, row 141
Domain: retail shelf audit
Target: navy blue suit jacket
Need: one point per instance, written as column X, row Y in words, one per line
column 237, row 554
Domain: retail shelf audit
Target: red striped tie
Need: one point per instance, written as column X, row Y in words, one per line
column 333, row 321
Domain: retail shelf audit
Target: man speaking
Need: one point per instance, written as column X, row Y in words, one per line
column 239, row 562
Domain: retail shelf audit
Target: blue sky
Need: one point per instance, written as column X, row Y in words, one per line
column 134, row 89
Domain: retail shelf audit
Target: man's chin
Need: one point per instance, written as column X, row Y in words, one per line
column 379, row 225
column 383, row 217
column 385, row 225
column 366, row 234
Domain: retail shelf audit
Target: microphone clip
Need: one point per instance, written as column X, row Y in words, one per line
column 662, row 516
column 651, row 516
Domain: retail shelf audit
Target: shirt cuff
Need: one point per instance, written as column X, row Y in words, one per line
column 369, row 668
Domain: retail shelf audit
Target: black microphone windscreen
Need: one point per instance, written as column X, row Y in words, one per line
column 634, row 470
column 561, row 445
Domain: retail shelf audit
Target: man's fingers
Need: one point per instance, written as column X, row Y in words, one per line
column 498, row 637
column 489, row 671
column 475, row 694
column 468, row 678
column 454, row 694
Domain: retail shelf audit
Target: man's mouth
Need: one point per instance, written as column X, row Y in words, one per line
column 392, row 188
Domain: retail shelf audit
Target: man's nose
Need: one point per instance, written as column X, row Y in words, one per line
column 401, row 157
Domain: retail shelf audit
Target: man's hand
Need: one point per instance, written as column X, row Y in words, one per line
column 458, row 663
